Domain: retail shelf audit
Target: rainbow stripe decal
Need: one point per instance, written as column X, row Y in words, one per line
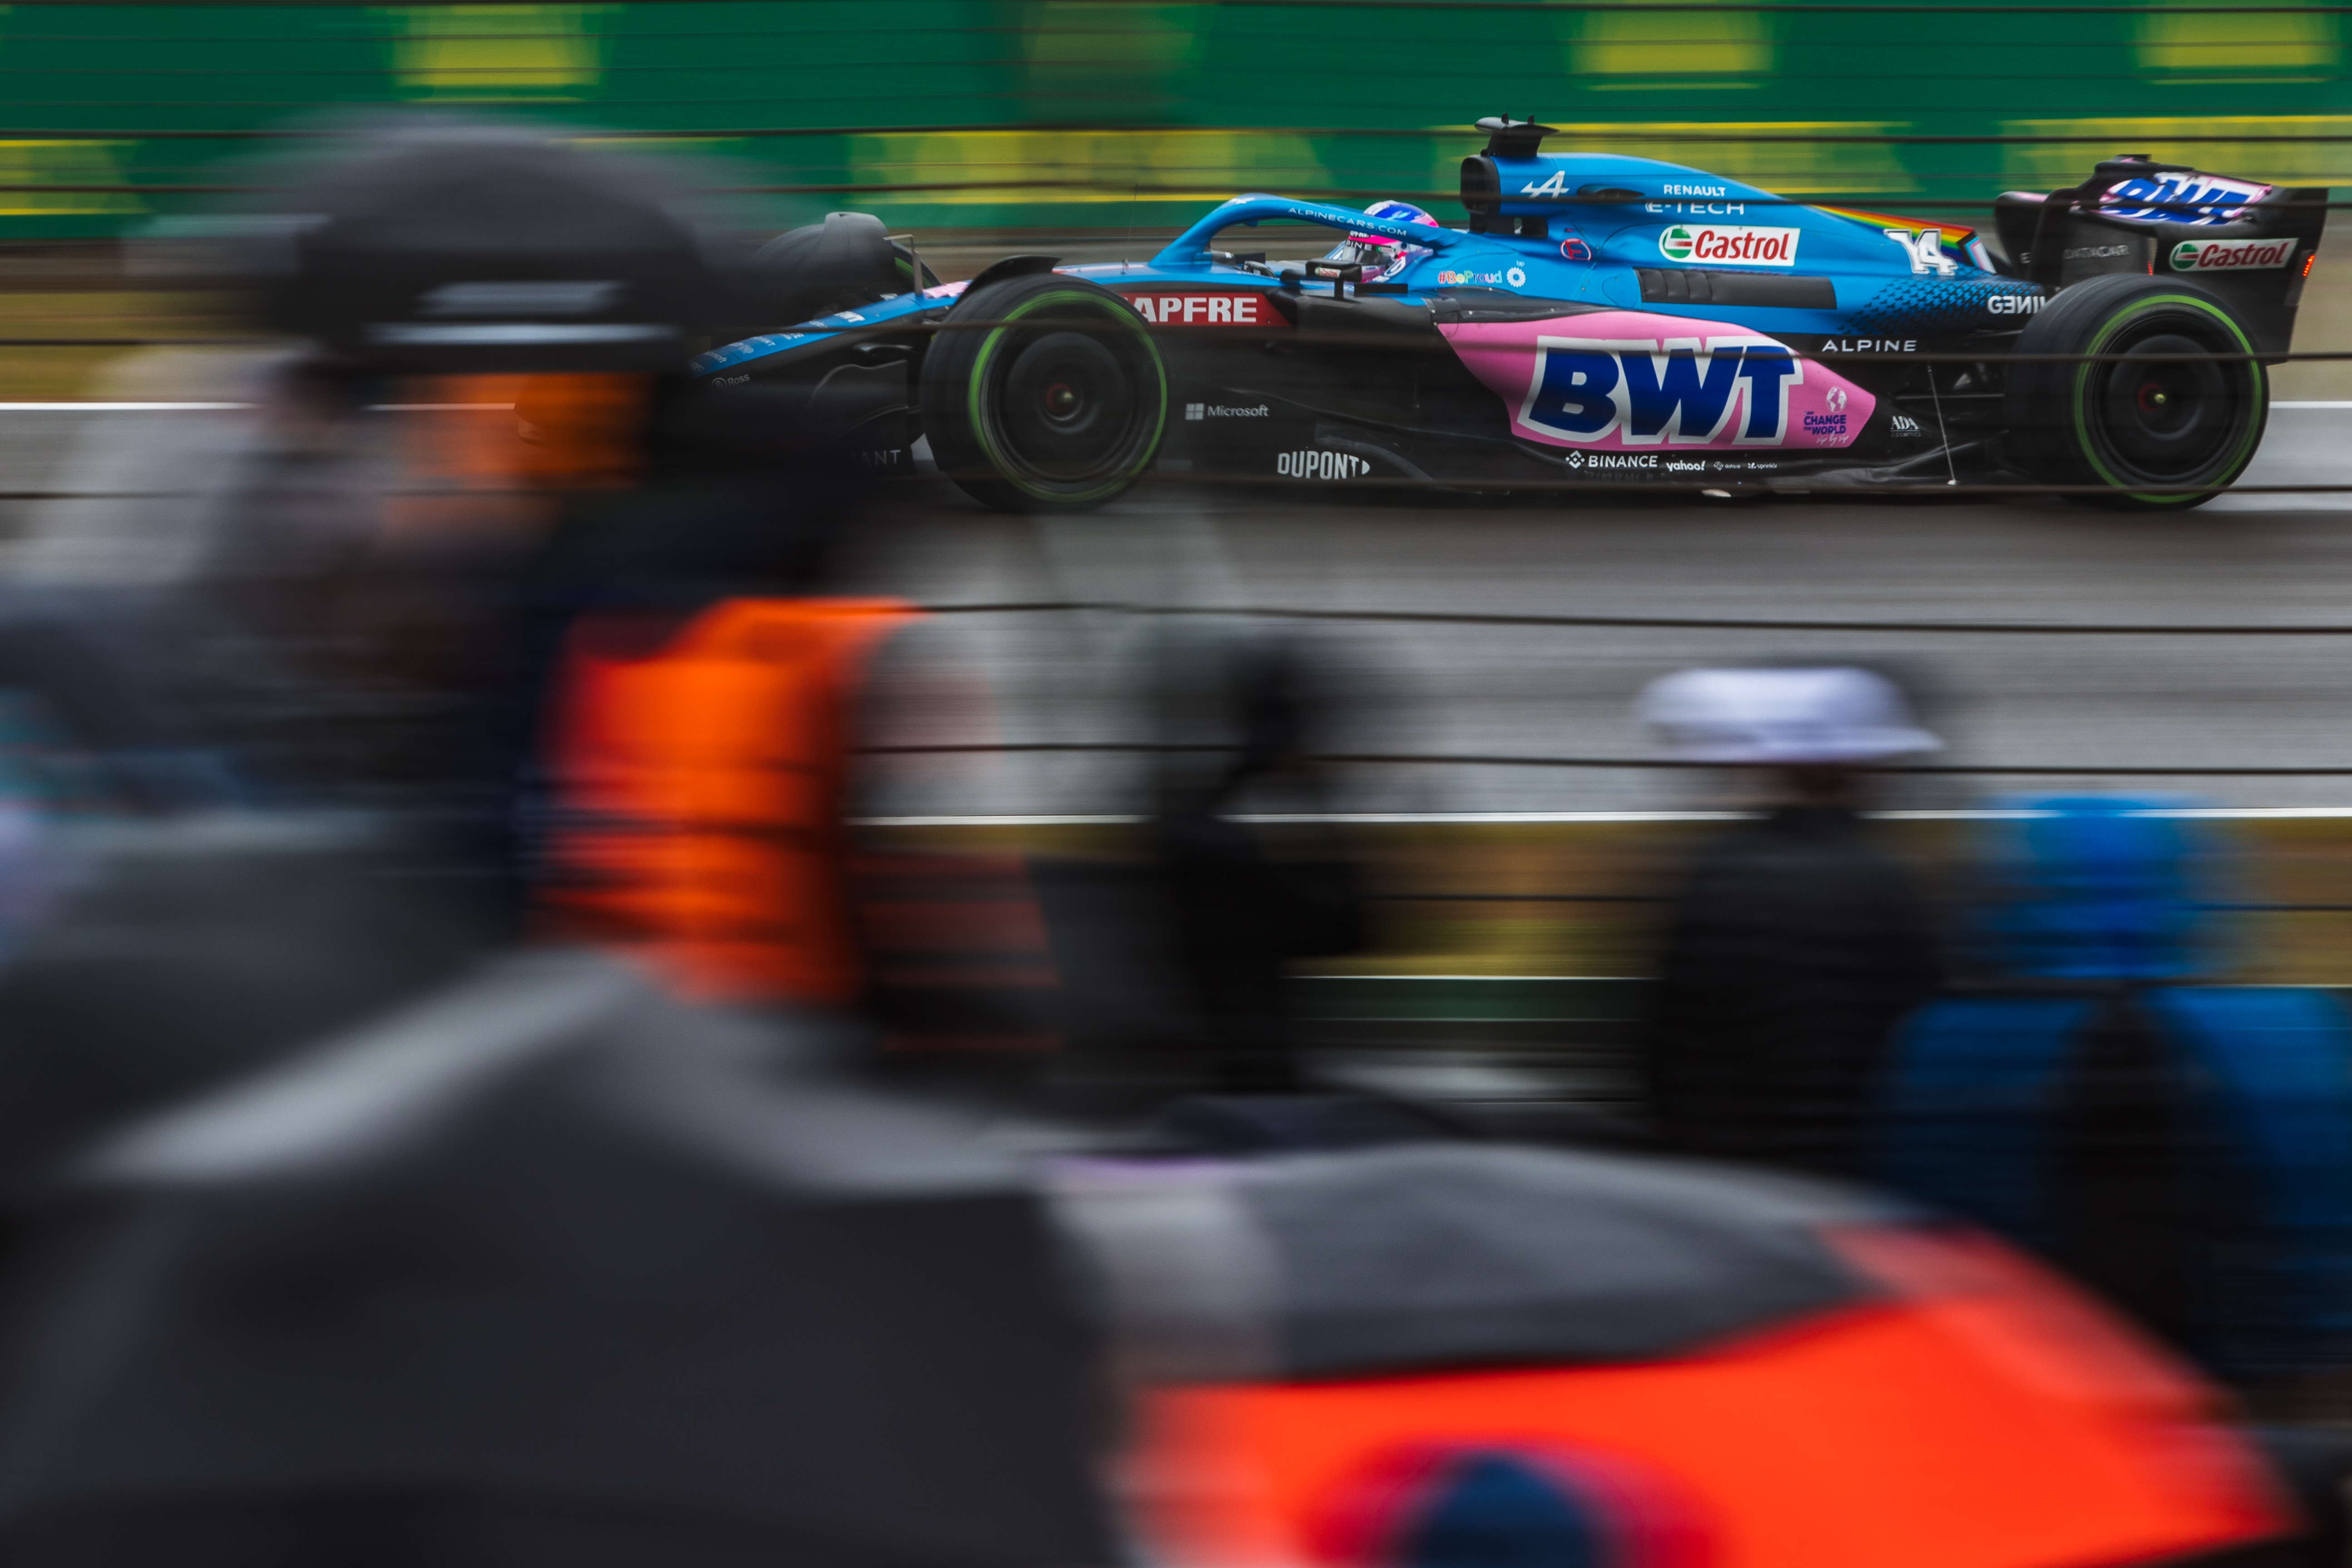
column 1956, row 236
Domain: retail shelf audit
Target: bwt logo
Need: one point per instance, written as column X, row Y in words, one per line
column 1644, row 392
column 2179, row 196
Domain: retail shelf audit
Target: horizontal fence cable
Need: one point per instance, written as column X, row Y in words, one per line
column 1696, row 133
column 1309, row 337
column 1188, row 190
column 1532, row 7
column 2231, row 907
column 1646, row 623
column 1824, row 488
column 1420, row 759
column 1633, row 8
column 224, row 343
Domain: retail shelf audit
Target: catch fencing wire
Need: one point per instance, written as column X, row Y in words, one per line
column 1165, row 190
column 1642, row 764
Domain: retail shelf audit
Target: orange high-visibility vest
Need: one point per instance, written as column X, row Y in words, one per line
column 699, row 797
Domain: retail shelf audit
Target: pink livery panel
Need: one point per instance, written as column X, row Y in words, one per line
column 1626, row 380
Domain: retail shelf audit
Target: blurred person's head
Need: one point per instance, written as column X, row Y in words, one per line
column 1237, row 706
column 519, row 308
column 425, row 243
column 1809, row 734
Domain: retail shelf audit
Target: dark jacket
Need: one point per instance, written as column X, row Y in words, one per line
column 2183, row 1146
column 1789, row 950
column 1244, row 912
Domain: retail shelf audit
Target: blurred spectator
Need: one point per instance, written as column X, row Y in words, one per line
column 316, row 578
column 340, row 1231
column 183, row 620
column 2184, row 1147
column 1241, row 714
column 434, row 1255
column 251, row 629
column 1791, row 944
column 714, row 717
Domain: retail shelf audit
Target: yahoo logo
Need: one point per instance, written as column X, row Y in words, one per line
column 1644, row 391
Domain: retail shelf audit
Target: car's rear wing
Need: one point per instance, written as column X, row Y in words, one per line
column 2252, row 244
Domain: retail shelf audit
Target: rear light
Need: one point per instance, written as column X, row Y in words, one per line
column 2307, row 260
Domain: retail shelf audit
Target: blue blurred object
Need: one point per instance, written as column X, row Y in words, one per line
column 1496, row 1509
column 2097, row 888
column 2186, row 1148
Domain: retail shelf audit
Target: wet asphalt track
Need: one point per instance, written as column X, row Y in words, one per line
column 2075, row 703
column 2084, row 704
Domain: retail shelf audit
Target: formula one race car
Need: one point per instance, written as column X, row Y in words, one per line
column 1602, row 320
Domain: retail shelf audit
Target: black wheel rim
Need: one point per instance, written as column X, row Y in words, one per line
column 1067, row 406
column 2170, row 419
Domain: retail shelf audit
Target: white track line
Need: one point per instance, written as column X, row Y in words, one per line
column 213, row 408
column 451, row 407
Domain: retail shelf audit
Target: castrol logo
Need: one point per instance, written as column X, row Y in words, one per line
column 1225, row 308
column 1707, row 242
column 2231, row 255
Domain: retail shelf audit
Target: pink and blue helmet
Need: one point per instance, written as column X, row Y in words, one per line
column 1373, row 250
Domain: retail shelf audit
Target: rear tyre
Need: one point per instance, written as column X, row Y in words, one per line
column 2155, row 432
column 1057, row 405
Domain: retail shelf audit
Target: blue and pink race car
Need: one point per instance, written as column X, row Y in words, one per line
column 1600, row 322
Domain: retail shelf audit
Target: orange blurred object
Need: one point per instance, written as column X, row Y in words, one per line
column 582, row 432
column 701, row 801
column 484, row 457
column 1979, row 1416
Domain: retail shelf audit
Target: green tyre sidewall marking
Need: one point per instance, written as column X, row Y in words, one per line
column 979, row 424
column 2077, row 404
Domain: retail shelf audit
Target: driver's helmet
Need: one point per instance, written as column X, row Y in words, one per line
column 1380, row 256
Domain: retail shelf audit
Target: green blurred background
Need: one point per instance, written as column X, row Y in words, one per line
column 1003, row 115
column 1090, row 126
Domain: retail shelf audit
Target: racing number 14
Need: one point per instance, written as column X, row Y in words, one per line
column 1924, row 248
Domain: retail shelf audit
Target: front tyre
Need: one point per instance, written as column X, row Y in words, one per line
column 1053, row 400
column 2155, row 427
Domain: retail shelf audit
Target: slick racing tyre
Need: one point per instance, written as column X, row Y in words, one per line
column 2154, row 429
column 1054, row 400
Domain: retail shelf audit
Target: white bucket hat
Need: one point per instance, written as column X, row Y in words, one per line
column 1836, row 714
